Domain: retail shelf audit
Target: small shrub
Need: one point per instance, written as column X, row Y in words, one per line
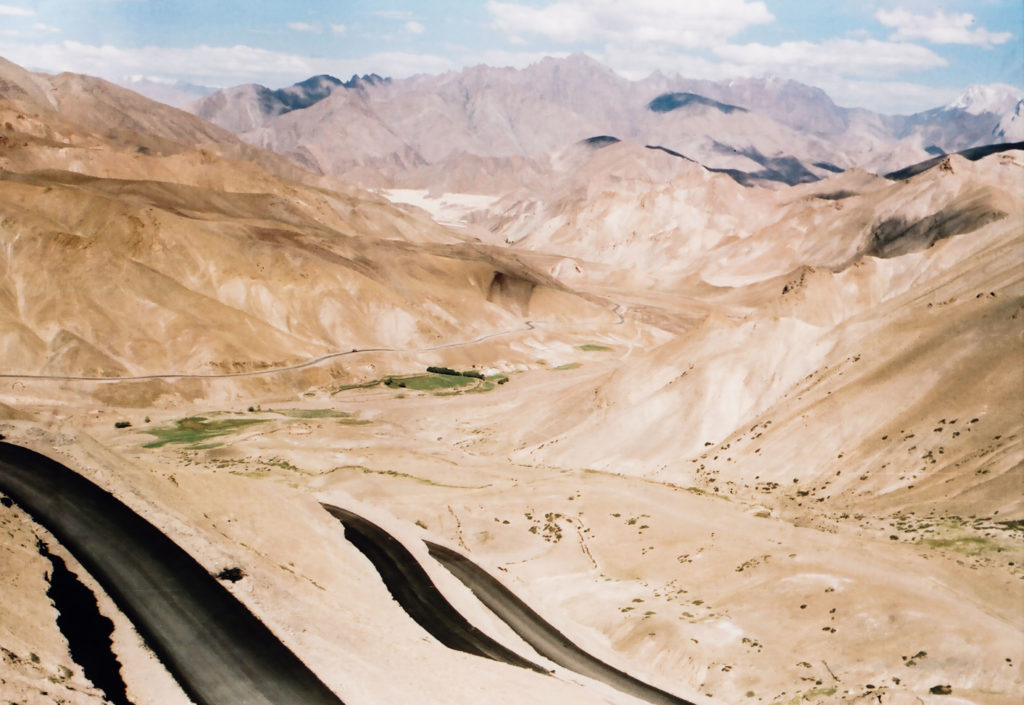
column 231, row 574
column 122, row 424
column 445, row 371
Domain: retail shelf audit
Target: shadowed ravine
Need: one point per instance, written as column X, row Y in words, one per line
column 218, row 651
column 86, row 629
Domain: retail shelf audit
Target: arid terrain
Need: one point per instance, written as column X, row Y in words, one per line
column 748, row 439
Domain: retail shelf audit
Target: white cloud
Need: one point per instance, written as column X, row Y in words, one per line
column 414, row 27
column 207, row 65
column 339, row 28
column 940, row 28
column 45, row 27
column 12, row 11
column 311, row 27
column 892, row 97
column 840, row 57
column 393, row 14
column 638, row 63
column 637, row 23
column 502, row 58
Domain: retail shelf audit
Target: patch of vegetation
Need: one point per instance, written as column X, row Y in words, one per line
column 351, row 421
column 968, row 545
column 310, row 413
column 422, row 480
column 488, row 384
column 231, row 574
column 455, row 373
column 256, row 473
column 593, row 347
column 816, row 693
column 568, row 366
column 428, row 382
column 193, row 430
column 361, row 385
column 436, row 379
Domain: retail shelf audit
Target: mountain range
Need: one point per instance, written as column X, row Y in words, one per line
column 392, row 132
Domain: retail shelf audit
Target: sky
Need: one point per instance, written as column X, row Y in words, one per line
column 893, row 56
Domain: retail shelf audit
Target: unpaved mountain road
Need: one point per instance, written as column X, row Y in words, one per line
column 528, row 326
column 216, row 649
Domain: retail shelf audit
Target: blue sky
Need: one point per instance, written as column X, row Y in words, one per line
column 887, row 55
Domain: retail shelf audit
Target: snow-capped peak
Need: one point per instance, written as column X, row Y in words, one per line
column 998, row 98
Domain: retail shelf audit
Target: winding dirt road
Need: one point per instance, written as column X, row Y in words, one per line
column 312, row 362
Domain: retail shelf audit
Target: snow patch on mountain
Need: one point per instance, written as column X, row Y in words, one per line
column 998, row 98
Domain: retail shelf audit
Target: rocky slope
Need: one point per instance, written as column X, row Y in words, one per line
column 149, row 238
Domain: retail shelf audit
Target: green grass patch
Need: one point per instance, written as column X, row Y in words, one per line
column 193, row 430
column 968, row 545
column 428, row 382
column 568, row 366
column 361, row 385
column 593, row 347
column 310, row 413
column 819, row 693
column 350, row 421
column 447, row 383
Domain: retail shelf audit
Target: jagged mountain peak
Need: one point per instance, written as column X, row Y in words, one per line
column 998, row 98
column 367, row 79
column 247, row 107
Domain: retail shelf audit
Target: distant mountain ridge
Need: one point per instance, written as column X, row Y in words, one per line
column 249, row 106
column 381, row 132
